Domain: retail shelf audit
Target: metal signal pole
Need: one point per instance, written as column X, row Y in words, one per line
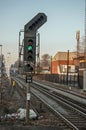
column 28, row 96
column 28, row 104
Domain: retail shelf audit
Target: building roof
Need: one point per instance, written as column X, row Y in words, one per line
column 63, row 56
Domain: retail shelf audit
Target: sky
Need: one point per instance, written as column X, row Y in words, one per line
column 64, row 18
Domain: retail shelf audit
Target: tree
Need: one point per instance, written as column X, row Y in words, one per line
column 45, row 60
column 16, row 64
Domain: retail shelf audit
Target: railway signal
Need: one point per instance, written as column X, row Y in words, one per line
column 29, row 68
column 36, row 22
column 30, row 53
column 30, row 30
column 30, row 49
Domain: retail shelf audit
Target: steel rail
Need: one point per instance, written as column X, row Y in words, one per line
column 70, row 107
column 63, row 96
column 61, row 116
column 56, row 112
column 53, row 96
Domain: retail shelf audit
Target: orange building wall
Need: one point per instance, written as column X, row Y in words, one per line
column 55, row 65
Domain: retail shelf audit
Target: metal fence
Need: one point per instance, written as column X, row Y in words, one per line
column 72, row 79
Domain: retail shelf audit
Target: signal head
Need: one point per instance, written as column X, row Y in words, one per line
column 30, row 49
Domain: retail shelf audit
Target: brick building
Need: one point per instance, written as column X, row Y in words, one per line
column 61, row 60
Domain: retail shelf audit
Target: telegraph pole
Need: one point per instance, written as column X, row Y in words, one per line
column 8, row 63
column 67, row 65
column 51, row 65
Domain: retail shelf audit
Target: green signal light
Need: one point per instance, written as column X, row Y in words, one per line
column 29, row 48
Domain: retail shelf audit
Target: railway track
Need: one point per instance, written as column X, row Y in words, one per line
column 65, row 96
column 75, row 116
column 71, row 117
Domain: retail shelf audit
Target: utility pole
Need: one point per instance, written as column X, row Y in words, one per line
column 8, row 63
column 51, row 65
column 67, row 65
